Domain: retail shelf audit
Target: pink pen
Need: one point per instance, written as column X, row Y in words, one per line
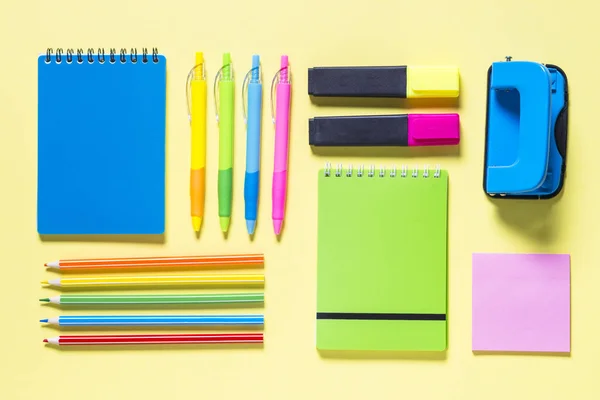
column 282, row 129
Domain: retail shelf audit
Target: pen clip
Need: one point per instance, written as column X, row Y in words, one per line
column 273, row 116
column 188, row 84
column 215, row 87
column 245, row 84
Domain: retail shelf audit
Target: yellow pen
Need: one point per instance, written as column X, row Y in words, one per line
column 196, row 84
column 153, row 281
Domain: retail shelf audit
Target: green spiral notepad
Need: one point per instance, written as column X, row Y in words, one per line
column 382, row 259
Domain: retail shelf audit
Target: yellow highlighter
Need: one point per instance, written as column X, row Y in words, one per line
column 197, row 116
column 425, row 81
column 399, row 81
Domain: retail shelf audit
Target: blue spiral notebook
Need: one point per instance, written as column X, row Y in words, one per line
column 101, row 142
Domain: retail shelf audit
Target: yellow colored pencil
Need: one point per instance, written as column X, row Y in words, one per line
column 152, row 281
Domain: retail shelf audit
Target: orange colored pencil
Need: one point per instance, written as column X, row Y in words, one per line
column 169, row 263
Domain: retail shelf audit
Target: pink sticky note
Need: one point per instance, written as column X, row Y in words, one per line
column 522, row 302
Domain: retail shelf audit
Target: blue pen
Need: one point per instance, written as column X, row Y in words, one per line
column 253, row 122
column 156, row 320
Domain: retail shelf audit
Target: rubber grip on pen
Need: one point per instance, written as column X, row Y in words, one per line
column 197, row 191
column 251, row 194
column 279, row 194
column 224, row 188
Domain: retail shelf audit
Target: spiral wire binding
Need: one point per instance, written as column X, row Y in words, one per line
column 428, row 172
column 371, row 172
column 71, row 55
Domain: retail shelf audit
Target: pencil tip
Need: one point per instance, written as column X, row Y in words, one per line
column 45, row 320
column 44, row 282
column 45, row 264
column 47, row 300
column 45, row 340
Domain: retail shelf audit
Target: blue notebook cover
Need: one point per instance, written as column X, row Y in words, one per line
column 101, row 143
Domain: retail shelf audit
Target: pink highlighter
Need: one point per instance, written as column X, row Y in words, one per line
column 385, row 130
column 433, row 129
column 281, row 119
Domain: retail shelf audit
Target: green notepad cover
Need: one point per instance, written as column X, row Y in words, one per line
column 382, row 250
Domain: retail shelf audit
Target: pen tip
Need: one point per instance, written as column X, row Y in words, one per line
column 45, row 340
column 250, row 225
column 47, row 300
column 196, row 222
column 45, row 320
column 277, row 224
column 224, row 221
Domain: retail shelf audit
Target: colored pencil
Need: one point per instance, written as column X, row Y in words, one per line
column 155, row 320
column 181, row 280
column 195, row 338
column 155, row 299
column 241, row 260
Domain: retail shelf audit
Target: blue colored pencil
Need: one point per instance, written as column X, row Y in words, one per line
column 156, row 320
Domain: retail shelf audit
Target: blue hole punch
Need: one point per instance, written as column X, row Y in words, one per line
column 526, row 132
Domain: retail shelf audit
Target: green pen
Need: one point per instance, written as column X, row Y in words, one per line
column 225, row 116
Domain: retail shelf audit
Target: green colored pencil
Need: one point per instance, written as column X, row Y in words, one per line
column 154, row 299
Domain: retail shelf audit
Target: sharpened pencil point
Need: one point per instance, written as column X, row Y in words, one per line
column 45, row 283
column 45, row 340
column 47, row 300
column 45, row 264
column 45, row 320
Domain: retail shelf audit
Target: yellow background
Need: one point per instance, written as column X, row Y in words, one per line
column 469, row 34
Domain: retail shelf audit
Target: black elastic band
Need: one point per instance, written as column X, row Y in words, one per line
column 382, row 316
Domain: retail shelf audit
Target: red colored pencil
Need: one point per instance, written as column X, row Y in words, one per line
column 200, row 338
column 184, row 262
